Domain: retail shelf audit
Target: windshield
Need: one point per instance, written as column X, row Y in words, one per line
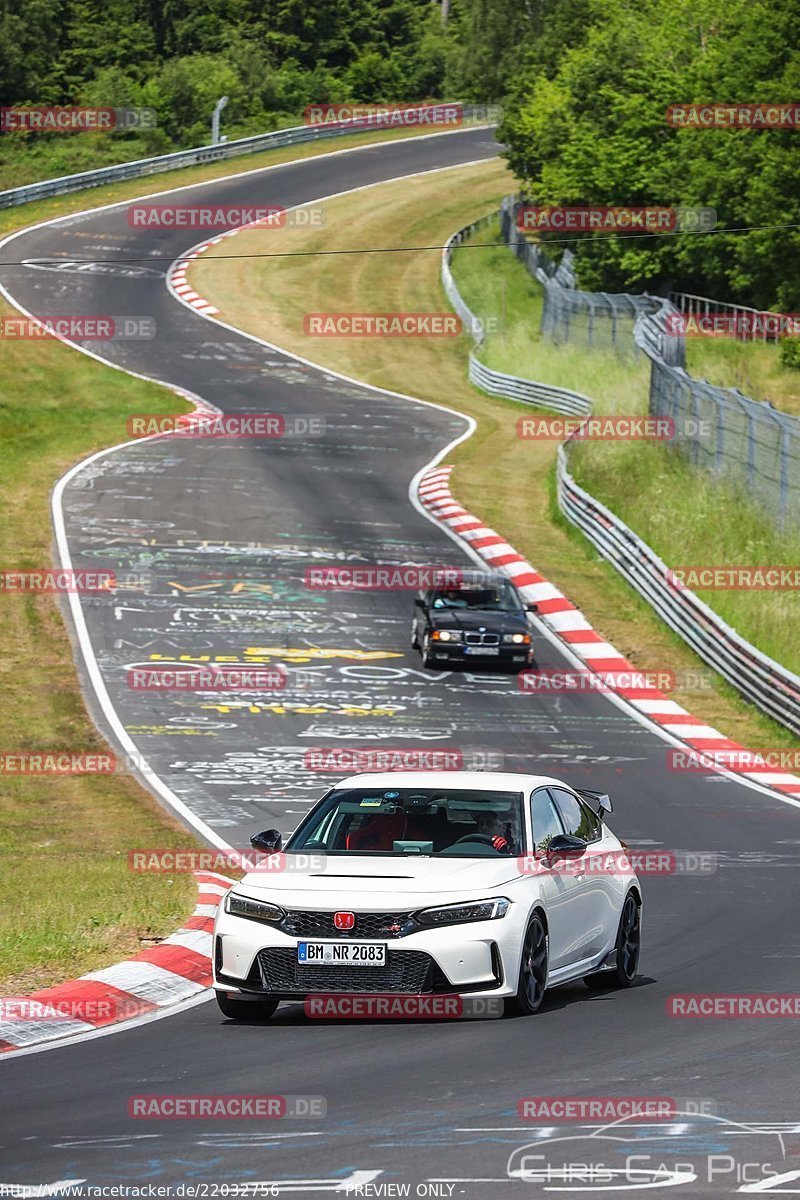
column 401, row 821
column 500, row 595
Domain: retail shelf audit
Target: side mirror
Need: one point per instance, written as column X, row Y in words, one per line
column 565, row 845
column 269, row 840
column 534, row 608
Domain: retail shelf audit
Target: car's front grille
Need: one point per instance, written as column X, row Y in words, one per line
column 406, row 971
column 482, row 639
column 368, row 925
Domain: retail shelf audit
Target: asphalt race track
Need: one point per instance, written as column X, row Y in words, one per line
column 215, row 537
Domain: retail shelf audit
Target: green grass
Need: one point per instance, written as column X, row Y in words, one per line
column 68, row 902
column 675, row 508
column 28, row 160
column 496, row 284
column 754, row 368
column 688, row 520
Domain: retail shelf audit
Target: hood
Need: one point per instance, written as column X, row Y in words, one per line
column 492, row 620
column 360, row 881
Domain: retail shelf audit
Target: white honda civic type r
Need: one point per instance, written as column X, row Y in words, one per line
column 423, row 883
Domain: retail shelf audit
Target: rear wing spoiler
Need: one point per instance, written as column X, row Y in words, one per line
column 599, row 801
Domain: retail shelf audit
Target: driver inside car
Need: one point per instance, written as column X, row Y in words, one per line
column 450, row 599
column 501, row 834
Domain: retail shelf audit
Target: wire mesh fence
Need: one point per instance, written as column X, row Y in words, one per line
column 720, row 430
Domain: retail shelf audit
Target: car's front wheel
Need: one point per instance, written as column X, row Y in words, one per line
column 425, row 650
column 245, row 1010
column 532, row 969
column 627, row 949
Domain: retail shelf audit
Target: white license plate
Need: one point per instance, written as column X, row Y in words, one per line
column 481, row 649
column 341, row 954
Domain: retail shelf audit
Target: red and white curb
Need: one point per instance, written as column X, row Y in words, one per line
column 176, row 275
column 176, row 279
column 169, row 972
column 570, row 625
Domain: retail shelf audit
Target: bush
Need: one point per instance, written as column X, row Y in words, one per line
column 790, row 352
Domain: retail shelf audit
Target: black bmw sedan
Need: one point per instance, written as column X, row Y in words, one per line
column 472, row 624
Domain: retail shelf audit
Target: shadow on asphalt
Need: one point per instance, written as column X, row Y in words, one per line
column 292, row 1014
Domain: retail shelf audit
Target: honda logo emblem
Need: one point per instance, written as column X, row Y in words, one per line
column 344, row 920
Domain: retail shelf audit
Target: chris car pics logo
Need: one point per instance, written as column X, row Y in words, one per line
column 683, row 1152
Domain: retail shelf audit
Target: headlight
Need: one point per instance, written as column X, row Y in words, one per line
column 446, row 635
column 254, row 910
column 454, row 914
column 519, row 639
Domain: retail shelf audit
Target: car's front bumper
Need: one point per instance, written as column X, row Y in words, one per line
column 476, row 958
column 471, row 656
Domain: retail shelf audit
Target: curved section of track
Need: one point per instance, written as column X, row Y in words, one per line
column 222, row 532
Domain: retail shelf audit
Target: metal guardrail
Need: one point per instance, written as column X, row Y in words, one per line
column 767, row 684
column 498, row 383
column 703, row 306
column 600, row 319
column 771, row 687
column 719, row 429
column 735, row 437
column 206, row 154
column 510, row 387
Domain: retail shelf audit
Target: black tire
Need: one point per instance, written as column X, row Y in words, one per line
column 245, row 1010
column 531, row 666
column 532, row 969
column 425, row 651
column 627, row 946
